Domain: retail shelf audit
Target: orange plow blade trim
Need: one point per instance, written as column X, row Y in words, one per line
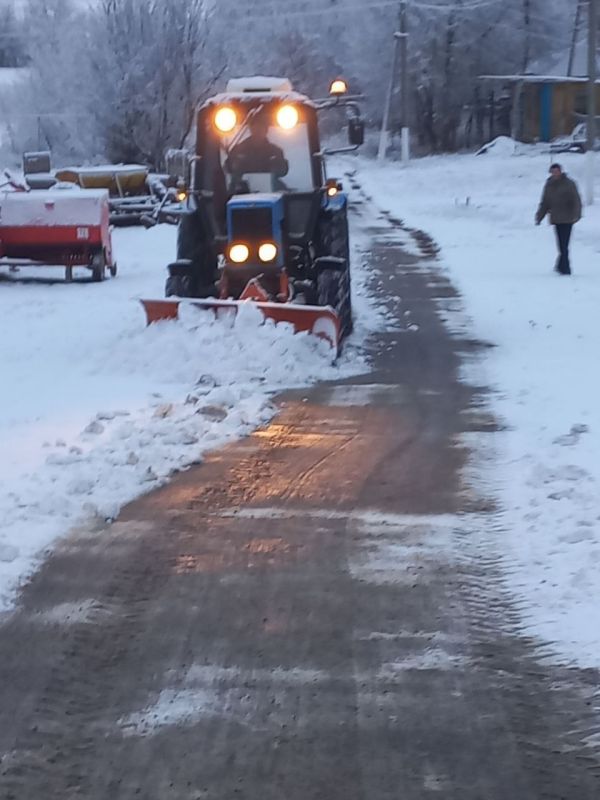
column 321, row 321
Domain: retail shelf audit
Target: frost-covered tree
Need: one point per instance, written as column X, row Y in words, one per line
column 120, row 79
column 453, row 42
column 51, row 109
column 13, row 52
column 156, row 61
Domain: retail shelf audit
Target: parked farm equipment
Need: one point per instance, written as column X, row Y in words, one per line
column 134, row 192
column 56, row 228
column 136, row 195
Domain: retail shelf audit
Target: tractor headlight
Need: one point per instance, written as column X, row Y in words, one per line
column 239, row 253
column 287, row 117
column 267, row 252
column 332, row 187
column 225, row 119
column 338, row 87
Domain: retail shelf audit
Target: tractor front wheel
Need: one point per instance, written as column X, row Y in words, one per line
column 179, row 286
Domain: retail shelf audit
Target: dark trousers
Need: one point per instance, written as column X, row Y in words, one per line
column 563, row 237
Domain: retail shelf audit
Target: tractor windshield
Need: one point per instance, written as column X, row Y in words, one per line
column 263, row 157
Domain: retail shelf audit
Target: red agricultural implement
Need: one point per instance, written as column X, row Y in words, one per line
column 56, row 228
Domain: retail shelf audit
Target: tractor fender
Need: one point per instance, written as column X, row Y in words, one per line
column 336, row 203
column 330, row 262
column 183, row 266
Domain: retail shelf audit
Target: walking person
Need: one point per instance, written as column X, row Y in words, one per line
column 561, row 200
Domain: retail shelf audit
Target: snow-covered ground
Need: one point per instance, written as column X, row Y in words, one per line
column 93, row 405
column 545, row 468
column 96, row 409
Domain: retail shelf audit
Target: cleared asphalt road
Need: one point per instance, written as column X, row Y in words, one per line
column 314, row 613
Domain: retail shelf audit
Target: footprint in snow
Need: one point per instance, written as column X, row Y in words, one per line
column 94, row 428
column 106, row 416
column 573, row 436
column 8, row 553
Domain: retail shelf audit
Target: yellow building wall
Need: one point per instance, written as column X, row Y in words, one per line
column 567, row 100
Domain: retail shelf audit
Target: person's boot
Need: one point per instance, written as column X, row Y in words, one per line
column 563, row 266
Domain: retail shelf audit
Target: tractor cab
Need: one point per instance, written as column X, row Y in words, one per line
column 262, row 220
column 256, row 145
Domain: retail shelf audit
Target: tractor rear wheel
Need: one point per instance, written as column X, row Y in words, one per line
column 98, row 267
column 179, row 286
column 333, row 291
column 334, row 241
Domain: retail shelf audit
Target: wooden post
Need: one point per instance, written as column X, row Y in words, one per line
column 591, row 116
column 515, row 123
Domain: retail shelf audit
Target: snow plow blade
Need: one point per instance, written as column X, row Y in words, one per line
column 321, row 321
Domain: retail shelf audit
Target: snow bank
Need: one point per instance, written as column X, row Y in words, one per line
column 206, row 381
column 502, row 146
column 96, row 408
column 544, row 469
column 12, row 76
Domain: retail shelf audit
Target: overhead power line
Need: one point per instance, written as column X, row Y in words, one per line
column 354, row 7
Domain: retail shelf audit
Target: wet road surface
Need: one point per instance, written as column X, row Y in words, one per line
column 316, row 612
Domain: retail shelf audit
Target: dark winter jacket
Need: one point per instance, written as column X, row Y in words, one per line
column 561, row 200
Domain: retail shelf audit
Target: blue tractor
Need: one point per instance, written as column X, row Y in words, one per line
column 262, row 220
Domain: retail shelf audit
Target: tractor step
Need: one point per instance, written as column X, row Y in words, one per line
column 321, row 321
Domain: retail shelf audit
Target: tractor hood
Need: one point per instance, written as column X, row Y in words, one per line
column 255, row 220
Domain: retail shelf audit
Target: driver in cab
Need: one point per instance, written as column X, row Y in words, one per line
column 256, row 154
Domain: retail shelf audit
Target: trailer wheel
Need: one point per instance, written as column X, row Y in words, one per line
column 113, row 270
column 179, row 286
column 98, row 267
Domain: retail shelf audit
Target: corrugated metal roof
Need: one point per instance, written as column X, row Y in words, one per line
column 535, row 79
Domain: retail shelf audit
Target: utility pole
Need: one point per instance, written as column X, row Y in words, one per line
column 574, row 37
column 405, row 134
column 384, row 136
column 527, row 26
column 591, row 115
column 400, row 54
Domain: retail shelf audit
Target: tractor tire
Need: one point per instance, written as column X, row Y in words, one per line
column 334, row 241
column 98, row 267
column 179, row 286
column 332, row 291
column 192, row 246
column 113, row 270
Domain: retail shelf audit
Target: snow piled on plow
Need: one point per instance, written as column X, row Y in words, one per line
column 97, row 409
